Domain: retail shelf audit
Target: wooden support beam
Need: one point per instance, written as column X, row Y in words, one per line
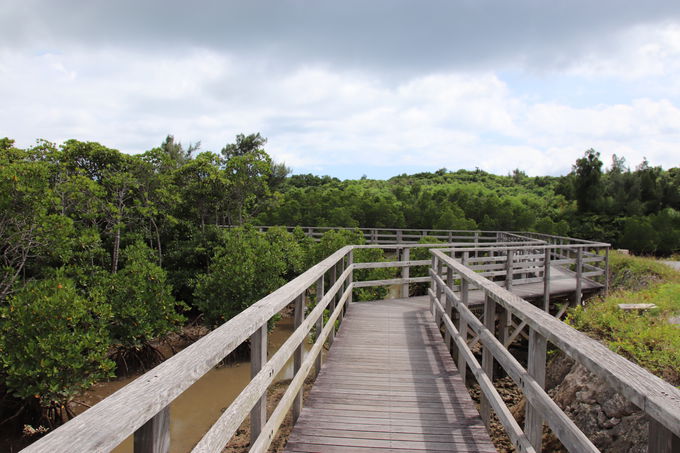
column 331, row 306
column 341, row 268
column 518, row 331
column 533, row 422
column 487, row 359
column 258, row 357
column 661, row 439
column 546, row 281
column 350, row 279
column 154, row 435
column 439, row 292
column 405, row 272
column 297, row 357
column 449, row 307
column 462, row 322
column 509, row 270
column 606, row 271
column 319, row 322
column 578, row 294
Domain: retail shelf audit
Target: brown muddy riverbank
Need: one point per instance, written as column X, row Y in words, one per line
column 195, row 410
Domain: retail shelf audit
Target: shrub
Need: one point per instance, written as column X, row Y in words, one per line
column 246, row 266
column 141, row 300
column 53, row 344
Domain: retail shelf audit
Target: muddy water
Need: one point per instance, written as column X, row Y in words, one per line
column 195, row 410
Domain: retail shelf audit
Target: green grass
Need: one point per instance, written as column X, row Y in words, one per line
column 645, row 338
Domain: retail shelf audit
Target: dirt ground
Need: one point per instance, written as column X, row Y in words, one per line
column 240, row 443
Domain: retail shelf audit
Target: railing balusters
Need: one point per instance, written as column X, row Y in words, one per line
column 487, row 359
column 546, row 281
column 533, row 423
column 449, row 306
column 350, row 262
column 606, row 271
column 258, row 357
column 341, row 265
column 405, row 272
column 439, row 292
column 319, row 321
column 508, row 269
column 661, row 439
column 154, row 435
column 331, row 306
column 462, row 322
column 299, row 316
column 579, row 277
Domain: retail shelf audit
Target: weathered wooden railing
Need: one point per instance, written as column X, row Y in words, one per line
column 659, row 400
column 142, row 407
column 403, row 235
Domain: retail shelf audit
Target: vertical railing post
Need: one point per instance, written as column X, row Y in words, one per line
column 579, row 273
column 661, row 439
column 319, row 322
column 546, row 280
column 297, row 357
column 449, row 306
column 331, row 306
column 606, row 271
column 350, row 278
column 533, row 422
column 258, row 357
column 462, row 323
column 405, row 272
column 508, row 269
column 399, row 236
column 154, row 435
column 440, row 291
column 487, row 358
column 433, row 283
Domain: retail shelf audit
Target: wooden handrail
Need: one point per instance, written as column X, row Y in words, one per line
column 658, row 399
column 108, row 423
column 141, row 407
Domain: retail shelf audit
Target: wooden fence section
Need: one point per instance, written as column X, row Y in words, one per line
column 658, row 399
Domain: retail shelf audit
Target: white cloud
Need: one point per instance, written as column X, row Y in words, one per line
column 645, row 50
column 317, row 117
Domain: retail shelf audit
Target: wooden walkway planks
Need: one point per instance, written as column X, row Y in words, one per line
column 562, row 283
column 389, row 385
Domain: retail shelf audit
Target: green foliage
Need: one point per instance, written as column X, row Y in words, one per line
column 372, row 255
column 587, row 185
column 639, row 235
column 332, row 241
column 290, row 250
column 645, row 338
column 245, row 268
column 141, row 300
column 631, row 273
column 53, row 342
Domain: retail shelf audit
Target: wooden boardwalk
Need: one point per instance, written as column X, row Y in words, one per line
column 389, row 385
column 562, row 283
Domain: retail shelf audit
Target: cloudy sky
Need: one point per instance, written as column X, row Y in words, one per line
column 347, row 88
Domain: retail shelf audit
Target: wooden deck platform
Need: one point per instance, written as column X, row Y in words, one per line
column 389, row 385
column 562, row 283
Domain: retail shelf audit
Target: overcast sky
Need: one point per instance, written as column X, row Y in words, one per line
column 347, row 88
